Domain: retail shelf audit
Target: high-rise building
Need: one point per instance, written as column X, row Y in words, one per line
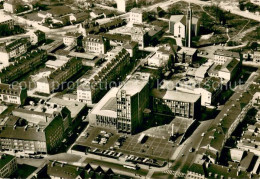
column 132, row 99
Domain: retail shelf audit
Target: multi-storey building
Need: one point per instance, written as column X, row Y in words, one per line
column 12, row 50
column 117, row 61
column 35, row 129
column 12, row 94
column 136, row 16
column 176, row 103
column 221, row 56
column 48, row 84
column 11, row 6
column 8, row 165
column 71, row 39
column 132, row 98
column 37, row 37
column 22, row 66
column 7, row 20
column 96, row 44
column 139, row 34
column 256, row 57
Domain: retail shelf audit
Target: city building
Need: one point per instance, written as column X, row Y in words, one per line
column 23, row 65
column 161, row 58
column 115, row 65
column 12, row 94
column 13, row 50
column 78, row 17
column 48, row 84
column 187, row 55
column 136, row 16
column 132, row 48
column 71, row 39
column 35, row 129
column 37, row 37
column 176, row 103
column 11, row 6
column 139, row 34
column 256, row 57
column 7, row 20
column 184, row 26
column 229, row 69
column 221, row 56
column 124, row 5
column 132, row 98
column 8, row 165
column 96, row 44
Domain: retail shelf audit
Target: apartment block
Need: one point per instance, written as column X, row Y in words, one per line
column 8, row 165
column 12, row 94
column 221, row 56
column 96, row 44
column 48, row 84
column 7, row 20
column 37, row 37
column 13, row 50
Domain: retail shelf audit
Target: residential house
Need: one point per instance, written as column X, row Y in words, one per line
column 96, row 44
column 12, row 94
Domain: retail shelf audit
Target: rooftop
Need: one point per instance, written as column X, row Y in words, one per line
column 226, row 53
column 5, row 159
column 5, row 18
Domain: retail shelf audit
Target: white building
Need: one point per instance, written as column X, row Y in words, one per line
column 37, row 37
column 12, row 50
column 161, row 57
column 136, row 16
column 10, row 6
column 7, row 20
column 121, row 5
column 221, row 56
column 12, row 94
column 95, row 44
column 256, row 57
column 71, row 39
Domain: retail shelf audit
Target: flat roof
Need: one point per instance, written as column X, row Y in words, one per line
column 227, row 53
column 4, row 18
column 181, row 96
column 107, row 106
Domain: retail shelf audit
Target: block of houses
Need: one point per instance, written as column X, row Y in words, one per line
column 13, row 50
column 12, row 94
column 8, row 165
column 37, row 37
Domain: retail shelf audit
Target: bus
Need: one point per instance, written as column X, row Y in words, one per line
column 129, row 166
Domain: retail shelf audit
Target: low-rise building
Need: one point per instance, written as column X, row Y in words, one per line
column 221, row 56
column 7, row 20
column 256, row 57
column 187, row 55
column 229, row 69
column 48, row 84
column 11, row 6
column 37, row 37
column 96, row 44
column 139, row 34
column 8, row 165
column 132, row 48
column 12, row 50
column 71, row 39
column 78, row 17
column 12, row 94
column 176, row 103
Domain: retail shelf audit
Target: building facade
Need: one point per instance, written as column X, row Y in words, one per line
column 221, row 56
column 37, row 37
column 8, row 165
column 96, row 44
column 7, row 20
column 12, row 94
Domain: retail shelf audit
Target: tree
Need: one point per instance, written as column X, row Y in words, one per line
column 254, row 45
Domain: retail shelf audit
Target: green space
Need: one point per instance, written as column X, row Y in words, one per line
column 6, row 31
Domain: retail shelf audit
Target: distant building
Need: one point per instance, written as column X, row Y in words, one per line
column 12, row 94
column 37, row 37
column 229, row 69
column 96, row 44
column 132, row 99
column 221, row 56
column 71, row 39
column 8, row 165
column 136, row 16
column 176, row 103
column 48, row 84
column 13, row 50
column 117, row 61
column 7, row 20
column 139, row 34
column 132, row 48
column 187, row 55
column 11, row 6
column 122, row 5
column 256, row 57
column 78, row 17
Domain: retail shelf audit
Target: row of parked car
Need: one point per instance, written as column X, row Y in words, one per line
column 144, row 161
column 102, row 138
column 106, row 153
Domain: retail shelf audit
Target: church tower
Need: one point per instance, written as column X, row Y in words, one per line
column 188, row 26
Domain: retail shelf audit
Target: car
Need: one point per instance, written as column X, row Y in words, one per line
column 202, row 135
column 103, row 132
